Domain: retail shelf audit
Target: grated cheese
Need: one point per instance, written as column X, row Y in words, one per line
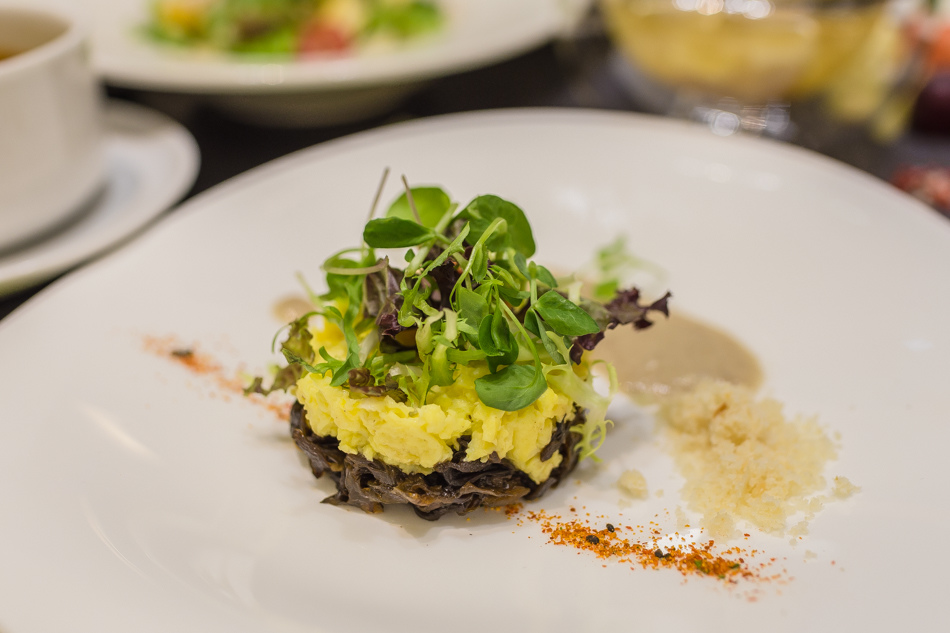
column 743, row 459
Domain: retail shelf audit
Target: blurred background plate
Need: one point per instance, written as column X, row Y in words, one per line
column 320, row 91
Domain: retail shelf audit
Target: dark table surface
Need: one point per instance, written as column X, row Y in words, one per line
column 580, row 73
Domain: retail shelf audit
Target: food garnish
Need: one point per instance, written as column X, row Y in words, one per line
column 289, row 27
column 743, row 459
column 457, row 379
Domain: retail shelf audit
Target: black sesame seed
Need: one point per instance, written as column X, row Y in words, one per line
column 610, row 527
column 659, row 554
column 593, row 540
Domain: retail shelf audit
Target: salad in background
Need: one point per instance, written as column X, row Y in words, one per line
column 289, row 27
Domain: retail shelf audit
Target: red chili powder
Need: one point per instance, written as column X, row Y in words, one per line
column 639, row 547
column 201, row 363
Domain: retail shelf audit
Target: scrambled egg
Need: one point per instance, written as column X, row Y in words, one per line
column 415, row 439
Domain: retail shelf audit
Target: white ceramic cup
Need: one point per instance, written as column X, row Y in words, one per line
column 50, row 131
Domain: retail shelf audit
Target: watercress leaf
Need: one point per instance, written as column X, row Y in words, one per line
column 522, row 264
column 485, row 340
column 481, row 211
column 545, row 277
column 500, row 331
column 479, row 262
column 505, row 342
column 471, row 306
column 535, row 325
column 514, row 296
column 563, row 316
column 508, row 356
column 532, row 322
column 513, row 388
column 506, row 277
column 395, row 233
column 431, row 203
column 624, row 309
column 470, row 332
column 551, row 348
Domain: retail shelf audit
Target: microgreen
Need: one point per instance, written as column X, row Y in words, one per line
column 481, row 211
column 395, row 233
column 564, row 317
column 431, row 204
column 468, row 296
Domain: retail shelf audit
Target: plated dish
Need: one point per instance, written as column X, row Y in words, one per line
column 196, row 513
column 460, row 380
column 320, row 89
column 474, row 34
column 289, row 29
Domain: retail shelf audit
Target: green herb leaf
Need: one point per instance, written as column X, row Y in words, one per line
column 522, row 264
column 514, row 296
column 440, row 368
column 481, row 211
column 545, row 277
column 479, row 263
column 431, row 203
column 485, row 339
column 465, row 356
column 513, row 388
column 456, row 246
column 505, row 341
column 563, row 316
column 293, row 359
column 534, row 325
column 338, row 285
column 395, row 233
column 472, row 308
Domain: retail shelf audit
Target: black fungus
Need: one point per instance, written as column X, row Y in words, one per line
column 455, row 486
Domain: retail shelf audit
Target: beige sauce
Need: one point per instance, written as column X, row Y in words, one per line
column 674, row 355
column 6, row 53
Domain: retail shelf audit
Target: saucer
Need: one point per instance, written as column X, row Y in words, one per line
column 151, row 162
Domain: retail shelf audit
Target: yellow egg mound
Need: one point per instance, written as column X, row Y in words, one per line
column 415, row 439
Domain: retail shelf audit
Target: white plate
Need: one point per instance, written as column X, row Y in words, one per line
column 151, row 161
column 477, row 32
column 136, row 498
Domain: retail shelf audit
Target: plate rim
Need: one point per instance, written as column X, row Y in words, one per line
column 549, row 115
column 528, row 115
